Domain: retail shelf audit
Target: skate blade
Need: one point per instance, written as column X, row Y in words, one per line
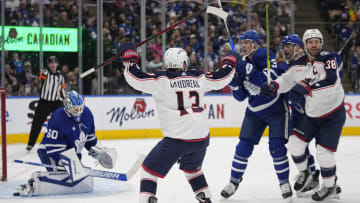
column 334, row 196
column 307, row 193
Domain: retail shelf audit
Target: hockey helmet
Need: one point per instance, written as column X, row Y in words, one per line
column 313, row 33
column 73, row 103
column 292, row 39
column 174, row 58
column 250, row 35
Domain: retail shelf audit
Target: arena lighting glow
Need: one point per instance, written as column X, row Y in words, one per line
column 21, row 38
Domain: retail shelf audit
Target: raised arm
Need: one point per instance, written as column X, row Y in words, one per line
column 136, row 78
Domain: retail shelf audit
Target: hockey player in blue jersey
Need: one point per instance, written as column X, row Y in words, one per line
column 251, row 72
column 292, row 50
column 70, row 127
column 317, row 76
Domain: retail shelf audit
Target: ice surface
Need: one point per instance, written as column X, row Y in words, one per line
column 259, row 185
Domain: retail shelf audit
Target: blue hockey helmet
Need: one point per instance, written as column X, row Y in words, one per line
column 73, row 103
column 250, row 35
column 292, row 39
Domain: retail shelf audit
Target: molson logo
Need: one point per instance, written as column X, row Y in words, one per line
column 123, row 114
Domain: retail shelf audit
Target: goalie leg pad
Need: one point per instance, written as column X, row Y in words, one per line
column 72, row 164
column 59, row 183
column 326, row 159
column 44, row 158
column 297, row 148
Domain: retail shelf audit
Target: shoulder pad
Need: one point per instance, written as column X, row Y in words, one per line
column 324, row 53
column 300, row 61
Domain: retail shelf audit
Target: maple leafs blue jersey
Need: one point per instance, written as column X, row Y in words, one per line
column 250, row 75
column 64, row 132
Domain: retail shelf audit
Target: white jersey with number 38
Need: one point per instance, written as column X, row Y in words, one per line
column 327, row 93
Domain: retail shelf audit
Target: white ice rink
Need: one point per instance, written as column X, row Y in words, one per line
column 259, row 185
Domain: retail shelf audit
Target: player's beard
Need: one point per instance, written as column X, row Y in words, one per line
column 313, row 52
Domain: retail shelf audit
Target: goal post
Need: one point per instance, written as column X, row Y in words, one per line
column 3, row 164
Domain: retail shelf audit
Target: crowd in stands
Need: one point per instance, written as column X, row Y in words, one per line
column 343, row 17
column 122, row 24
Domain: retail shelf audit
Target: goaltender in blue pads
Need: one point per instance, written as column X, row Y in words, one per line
column 70, row 128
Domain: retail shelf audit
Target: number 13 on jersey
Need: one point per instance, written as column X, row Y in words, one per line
column 193, row 96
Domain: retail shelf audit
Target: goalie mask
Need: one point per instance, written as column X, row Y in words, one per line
column 174, row 58
column 73, row 103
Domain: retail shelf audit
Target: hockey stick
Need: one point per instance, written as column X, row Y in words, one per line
column 208, row 9
column 227, row 29
column 345, row 43
column 97, row 173
column 267, row 44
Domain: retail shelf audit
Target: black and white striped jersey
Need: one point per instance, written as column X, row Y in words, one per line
column 51, row 85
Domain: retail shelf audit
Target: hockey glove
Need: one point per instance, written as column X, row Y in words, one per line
column 298, row 91
column 105, row 156
column 269, row 90
column 229, row 59
column 128, row 53
column 236, row 82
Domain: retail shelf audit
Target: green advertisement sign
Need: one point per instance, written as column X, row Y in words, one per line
column 20, row 38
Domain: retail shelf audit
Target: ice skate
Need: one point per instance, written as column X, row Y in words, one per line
column 25, row 189
column 29, row 148
column 326, row 193
column 229, row 190
column 202, row 199
column 313, row 186
column 303, row 180
column 152, row 199
column 286, row 192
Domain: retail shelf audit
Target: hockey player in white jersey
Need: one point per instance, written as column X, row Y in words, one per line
column 291, row 46
column 71, row 128
column 317, row 78
column 179, row 96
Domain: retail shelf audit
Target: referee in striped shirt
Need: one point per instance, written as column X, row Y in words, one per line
column 51, row 91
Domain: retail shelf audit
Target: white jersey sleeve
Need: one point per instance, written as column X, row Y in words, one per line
column 219, row 79
column 179, row 98
column 135, row 77
column 289, row 79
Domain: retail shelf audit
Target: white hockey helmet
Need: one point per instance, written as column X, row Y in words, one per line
column 174, row 58
column 312, row 33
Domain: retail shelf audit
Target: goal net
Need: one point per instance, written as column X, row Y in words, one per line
column 3, row 164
